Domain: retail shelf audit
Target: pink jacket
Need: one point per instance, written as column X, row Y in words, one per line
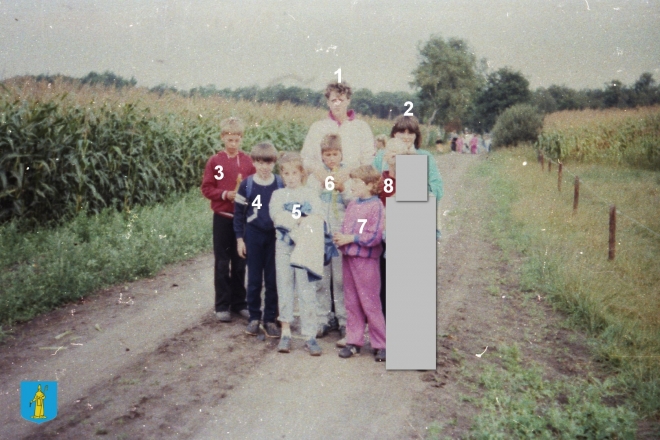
column 366, row 244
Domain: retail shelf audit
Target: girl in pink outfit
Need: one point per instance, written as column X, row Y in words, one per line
column 459, row 144
column 473, row 145
column 360, row 243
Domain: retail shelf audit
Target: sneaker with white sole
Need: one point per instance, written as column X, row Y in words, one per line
column 380, row 355
column 245, row 313
column 223, row 316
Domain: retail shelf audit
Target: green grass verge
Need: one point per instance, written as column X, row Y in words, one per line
column 46, row 268
column 562, row 261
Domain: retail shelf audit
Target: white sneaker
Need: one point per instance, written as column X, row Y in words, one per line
column 341, row 342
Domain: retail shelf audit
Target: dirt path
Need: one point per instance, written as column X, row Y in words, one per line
column 160, row 366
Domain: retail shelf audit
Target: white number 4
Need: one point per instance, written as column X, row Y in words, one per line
column 257, row 201
column 360, row 220
column 296, row 211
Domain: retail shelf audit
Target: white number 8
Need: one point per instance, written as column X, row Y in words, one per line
column 296, row 212
column 389, row 185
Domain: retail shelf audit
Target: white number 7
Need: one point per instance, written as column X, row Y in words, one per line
column 365, row 222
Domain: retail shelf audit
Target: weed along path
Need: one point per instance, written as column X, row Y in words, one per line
column 148, row 359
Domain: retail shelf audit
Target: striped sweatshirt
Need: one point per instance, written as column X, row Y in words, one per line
column 368, row 243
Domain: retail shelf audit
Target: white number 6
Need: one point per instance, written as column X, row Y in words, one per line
column 408, row 112
column 219, row 168
column 329, row 183
column 360, row 220
column 295, row 211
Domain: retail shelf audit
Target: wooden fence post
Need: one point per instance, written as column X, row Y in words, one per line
column 550, row 165
column 612, row 246
column 559, row 178
column 542, row 162
column 576, row 195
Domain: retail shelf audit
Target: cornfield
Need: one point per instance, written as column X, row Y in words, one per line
column 611, row 136
column 66, row 149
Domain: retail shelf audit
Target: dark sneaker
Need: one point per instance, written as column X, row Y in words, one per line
column 323, row 330
column 272, row 330
column 252, row 328
column 245, row 313
column 333, row 324
column 342, row 331
column 349, row 351
column 223, row 316
column 313, row 347
column 285, row 345
column 380, row 355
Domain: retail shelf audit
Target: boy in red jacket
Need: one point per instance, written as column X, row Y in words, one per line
column 222, row 175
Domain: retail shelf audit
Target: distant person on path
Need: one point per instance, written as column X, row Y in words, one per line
column 222, row 174
column 255, row 235
column 474, row 143
column 459, row 144
column 361, row 243
column 289, row 207
column 453, row 143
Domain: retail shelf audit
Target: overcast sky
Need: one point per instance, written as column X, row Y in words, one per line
column 579, row 43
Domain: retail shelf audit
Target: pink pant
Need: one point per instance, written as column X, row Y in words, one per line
column 362, row 300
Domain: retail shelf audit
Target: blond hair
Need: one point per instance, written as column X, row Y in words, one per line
column 232, row 126
column 381, row 141
column 368, row 174
column 331, row 142
column 293, row 159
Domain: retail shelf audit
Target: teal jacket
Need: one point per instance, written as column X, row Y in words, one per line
column 434, row 180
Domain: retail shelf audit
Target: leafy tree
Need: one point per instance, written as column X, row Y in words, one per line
column 503, row 89
column 520, row 123
column 446, row 78
column 543, row 100
column 645, row 90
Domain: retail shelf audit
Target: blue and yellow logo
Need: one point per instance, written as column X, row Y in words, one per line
column 39, row 401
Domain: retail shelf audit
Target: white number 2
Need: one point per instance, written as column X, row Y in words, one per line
column 360, row 220
column 408, row 112
column 257, row 201
column 220, row 173
column 296, row 211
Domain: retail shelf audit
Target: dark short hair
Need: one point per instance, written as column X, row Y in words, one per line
column 264, row 152
column 410, row 123
column 340, row 88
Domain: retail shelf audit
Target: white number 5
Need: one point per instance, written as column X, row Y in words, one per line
column 221, row 174
column 296, row 212
column 360, row 220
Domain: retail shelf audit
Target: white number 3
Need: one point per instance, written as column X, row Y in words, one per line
column 360, row 220
column 220, row 173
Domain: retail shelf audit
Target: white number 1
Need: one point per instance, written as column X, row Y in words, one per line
column 338, row 73
column 360, row 220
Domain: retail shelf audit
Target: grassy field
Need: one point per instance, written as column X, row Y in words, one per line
column 566, row 257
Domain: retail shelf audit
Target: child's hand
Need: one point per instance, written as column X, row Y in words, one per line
column 231, row 195
column 241, row 248
column 342, row 239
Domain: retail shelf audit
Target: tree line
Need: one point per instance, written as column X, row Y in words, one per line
column 452, row 89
